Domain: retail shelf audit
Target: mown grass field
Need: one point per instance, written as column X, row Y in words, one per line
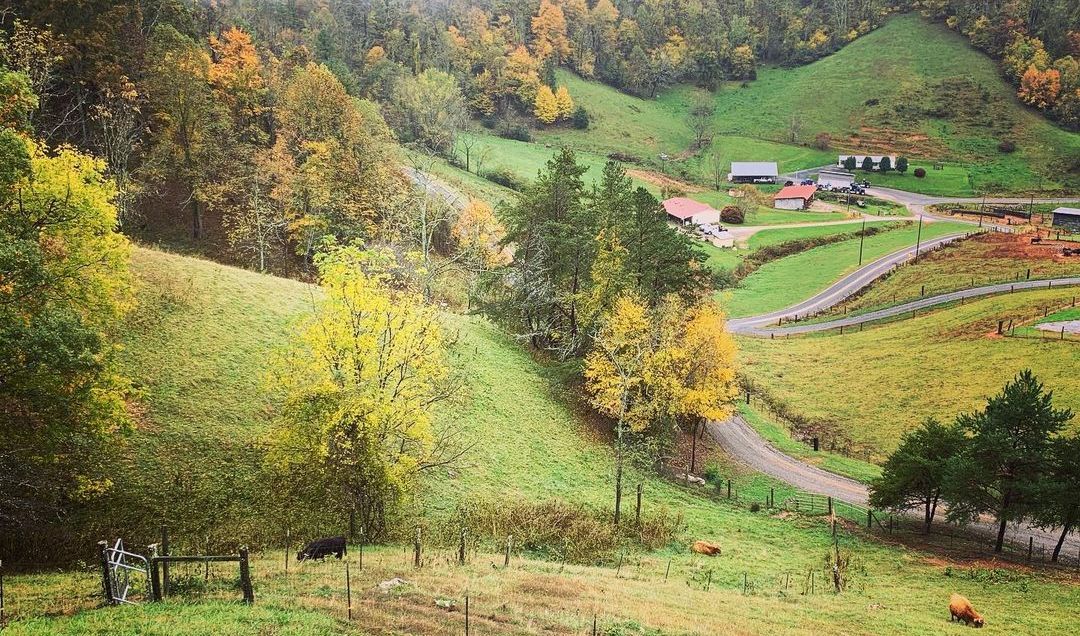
column 875, row 384
column 788, row 280
column 981, row 260
column 863, row 96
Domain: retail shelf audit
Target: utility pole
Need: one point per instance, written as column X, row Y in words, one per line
column 862, row 237
column 918, row 240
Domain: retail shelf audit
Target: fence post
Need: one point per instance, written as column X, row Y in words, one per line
column 287, row 551
column 509, row 543
column 155, row 578
column 1, row 594
column 869, row 519
column 708, row 581
column 772, row 496
column 830, row 506
column 667, row 571
column 106, row 578
column 245, row 577
column 1031, row 544
column 466, row 615
column 729, row 489
column 348, row 590
column 416, row 549
column 461, row 547
column 1001, row 323
column 165, row 564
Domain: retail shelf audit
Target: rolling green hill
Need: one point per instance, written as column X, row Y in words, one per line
column 911, row 88
column 198, row 347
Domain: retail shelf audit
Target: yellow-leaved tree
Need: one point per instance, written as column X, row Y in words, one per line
column 564, row 103
column 546, row 107
column 360, row 384
column 652, row 369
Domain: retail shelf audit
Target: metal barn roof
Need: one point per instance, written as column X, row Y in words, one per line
column 754, row 169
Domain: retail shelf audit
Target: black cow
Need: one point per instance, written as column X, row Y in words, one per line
column 321, row 548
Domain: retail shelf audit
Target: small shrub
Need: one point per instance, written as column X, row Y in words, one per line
column 822, row 141
column 505, row 178
column 919, row 173
column 712, row 473
column 732, row 214
column 622, row 157
column 580, row 118
column 873, row 101
column 755, row 507
column 517, row 132
column 489, row 122
column 1007, row 146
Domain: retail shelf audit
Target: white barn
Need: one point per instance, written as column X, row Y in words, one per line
column 835, row 179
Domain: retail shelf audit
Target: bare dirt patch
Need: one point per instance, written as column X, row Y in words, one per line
column 663, row 181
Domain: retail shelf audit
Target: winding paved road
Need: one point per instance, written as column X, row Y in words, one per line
column 742, row 442
column 758, row 329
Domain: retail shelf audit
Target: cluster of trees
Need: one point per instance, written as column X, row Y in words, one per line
column 597, row 274
column 63, row 285
column 1038, row 43
column 885, row 165
column 1010, row 459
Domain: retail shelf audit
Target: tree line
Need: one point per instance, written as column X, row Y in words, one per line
column 1011, row 459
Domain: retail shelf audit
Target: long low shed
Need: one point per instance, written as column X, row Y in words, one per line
column 1067, row 218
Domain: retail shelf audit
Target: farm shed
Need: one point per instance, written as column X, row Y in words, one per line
column 794, row 197
column 835, row 179
column 688, row 211
column 1067, row 218
column 753, row 172
column 860, row 158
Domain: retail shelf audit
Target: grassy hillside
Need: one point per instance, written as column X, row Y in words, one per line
column 875, row 384
column 198, row 347
column 911, row 87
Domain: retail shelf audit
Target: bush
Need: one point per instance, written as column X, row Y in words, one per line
column 822, row 141
column 712, row 474
column 622, row 157
column 732, row 214
column 1007, row 146
column 517, row 132
column 755, row 507
column 919, row 173
column 505, row 178
column 489, row 122
column 580, row 118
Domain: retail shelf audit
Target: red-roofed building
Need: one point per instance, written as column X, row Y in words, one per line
column 794, row 197
column 683, row 210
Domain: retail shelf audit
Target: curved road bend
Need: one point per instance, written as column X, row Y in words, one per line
column 743, row 443
column 915, row 305
column 841, row 289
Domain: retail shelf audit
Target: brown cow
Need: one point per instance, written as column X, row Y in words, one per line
column 706, row 548
column 960, row 609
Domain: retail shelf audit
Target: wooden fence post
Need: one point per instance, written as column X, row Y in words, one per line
column 869, row 519
column 416, row 549
column 466, row 615
column 286, row 551
column 165, row 564
column 155, row 578
column 1, row 594
column 461, row 547
column 509, row 544
column 245, row 577
column 830, row 506
column 106, row 576
column 729, row 489
column 1031, row 544
column 667, row 571
column 348, row 590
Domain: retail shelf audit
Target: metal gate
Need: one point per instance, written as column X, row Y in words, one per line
column 120, row 565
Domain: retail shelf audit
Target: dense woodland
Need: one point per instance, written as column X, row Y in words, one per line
column 221, row 118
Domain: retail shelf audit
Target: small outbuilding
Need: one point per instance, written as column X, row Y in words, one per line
column 1066, row 219
column 753, row 172
column 794, row 197
column 835, row 179
column 688, row 211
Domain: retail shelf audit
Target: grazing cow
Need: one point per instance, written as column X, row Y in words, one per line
column 321, row 548
column 960, row 609
column 706, row 548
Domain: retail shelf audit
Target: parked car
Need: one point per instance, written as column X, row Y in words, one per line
column 806, row 182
